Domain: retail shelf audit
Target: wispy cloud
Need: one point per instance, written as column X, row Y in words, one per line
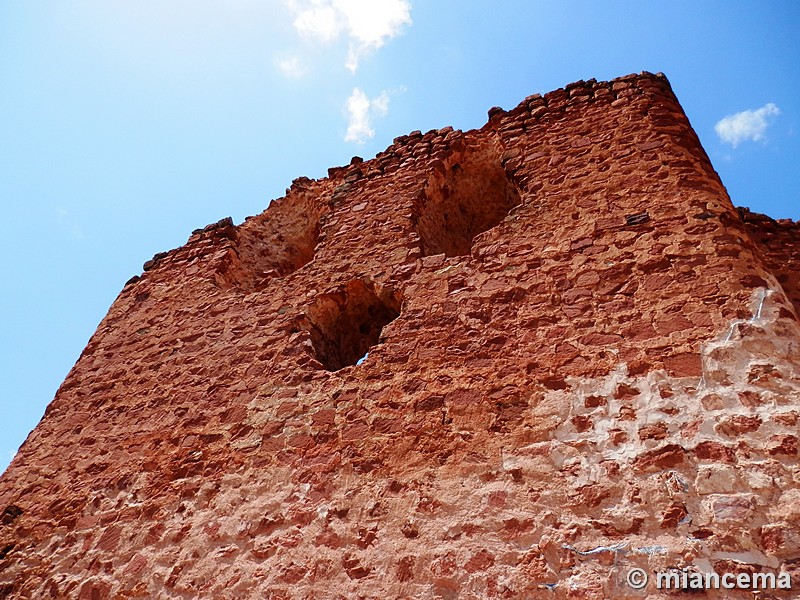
column 746, row 125
column 291, row 66
column 360, row 111
column 4, row 463
column 69, row 223
column 368, row 24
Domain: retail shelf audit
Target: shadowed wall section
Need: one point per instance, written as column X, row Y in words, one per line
column 346, row 323
column 467, row 193
column 283, row 238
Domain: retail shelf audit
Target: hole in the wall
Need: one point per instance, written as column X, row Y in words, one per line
column 346, row 323
column 282, row 239
column 6, row 550
column 10, row 514
column 472, row 195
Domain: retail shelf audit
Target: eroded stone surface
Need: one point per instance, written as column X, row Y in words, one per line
column 597, row 371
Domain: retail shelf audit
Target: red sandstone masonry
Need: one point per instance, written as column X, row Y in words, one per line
column 777, row 242
column 574, row 341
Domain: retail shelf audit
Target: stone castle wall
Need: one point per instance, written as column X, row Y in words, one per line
column 580, row 358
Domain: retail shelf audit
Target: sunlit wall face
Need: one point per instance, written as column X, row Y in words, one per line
column 126, row 125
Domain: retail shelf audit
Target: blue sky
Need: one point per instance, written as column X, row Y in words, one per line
column 124, row 125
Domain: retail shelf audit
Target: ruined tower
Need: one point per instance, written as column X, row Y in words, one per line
column 510, row 362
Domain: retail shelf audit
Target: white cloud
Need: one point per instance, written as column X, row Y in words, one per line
column 320, row 20
column 746, row 125
column 368, row 24
column 361, row 110
column 291, row 66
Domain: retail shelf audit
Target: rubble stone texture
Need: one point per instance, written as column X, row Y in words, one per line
column 580, row 358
